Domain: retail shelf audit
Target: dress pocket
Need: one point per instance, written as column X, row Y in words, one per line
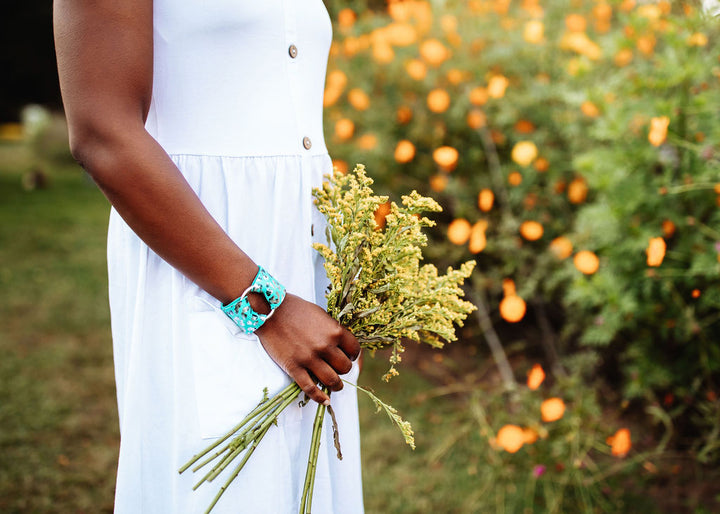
column 230, row 369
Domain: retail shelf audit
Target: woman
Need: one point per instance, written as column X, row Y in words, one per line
column 202, row 124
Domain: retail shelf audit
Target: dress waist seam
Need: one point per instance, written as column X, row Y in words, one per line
column 248, row 156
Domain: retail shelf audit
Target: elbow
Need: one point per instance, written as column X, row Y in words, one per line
column 99, row 147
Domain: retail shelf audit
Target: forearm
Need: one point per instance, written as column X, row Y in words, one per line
column 152, row 196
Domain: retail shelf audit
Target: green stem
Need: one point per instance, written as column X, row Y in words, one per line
column 238, row 468
column 263, row 406
column 307, row 492
column 258, row 432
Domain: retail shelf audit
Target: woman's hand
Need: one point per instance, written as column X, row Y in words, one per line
column 307, row 343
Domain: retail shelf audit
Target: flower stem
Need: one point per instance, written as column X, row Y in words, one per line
column 239, row 467
column 307, row 493
column 259, row 432
column 262, row 407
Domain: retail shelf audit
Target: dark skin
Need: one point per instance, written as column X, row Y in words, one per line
column 105, row 63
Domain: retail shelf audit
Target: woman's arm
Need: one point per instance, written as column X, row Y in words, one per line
column 105, row 59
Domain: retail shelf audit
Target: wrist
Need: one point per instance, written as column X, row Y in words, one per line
column 257, row 303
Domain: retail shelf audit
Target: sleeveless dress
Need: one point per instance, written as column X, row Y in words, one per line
column 237, row 104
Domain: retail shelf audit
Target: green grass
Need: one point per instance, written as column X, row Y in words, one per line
column 58, row 444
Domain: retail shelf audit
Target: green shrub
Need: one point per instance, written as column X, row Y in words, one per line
column 551, row 108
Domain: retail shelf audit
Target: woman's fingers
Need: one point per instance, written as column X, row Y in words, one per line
column 349, row 344
column 327, row 375
column 309, row 387
column 339, row 361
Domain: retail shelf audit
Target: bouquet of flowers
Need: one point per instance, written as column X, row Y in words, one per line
column 378, row 290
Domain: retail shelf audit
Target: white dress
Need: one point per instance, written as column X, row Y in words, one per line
column 237, row 104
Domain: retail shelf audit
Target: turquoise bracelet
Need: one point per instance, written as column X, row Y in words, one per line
column 242, row 313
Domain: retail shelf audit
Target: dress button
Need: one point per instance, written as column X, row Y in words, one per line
column 293, row 51
column 307, row 143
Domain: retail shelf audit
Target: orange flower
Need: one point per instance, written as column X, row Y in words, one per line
column 698, row 39
column 589, row 109
column 359, row 99
column 515, row 178
column 524, row 153
column 434, row 52
column 337, row 78
column 579, row 42
column 668, row 228
column 404, row 115
column 486, row 198
column 340, row 165
column 530, row 201
column 531, row 230
column 658, row 130
column 575, row 22
column 404, row 151
column 561, row 247
column 552, row 409
column 331, row 96
column 438, row 182
column 577, row 191
column 367, row 141
column 476, row 119
column 542, row 164
column 336, row 82
column 382, row 52
column 535, row 377
column 478, row 240
column 455, row 76
column 398, row 34
column 346, row 18
column 449, row 23
column 646, row 44
column 534, row 32
column 529, row 436
column 650, row 11
column 478, row 96
column 510, row 438
column 620, row 443
column 497, row 137
column 416, row 69
column 446, row 157
column 602, row 12
column 497, row 85
column 695, row 293
column 344, row 129
column 438, row 100
column 656, row 251
column 623, row 57
column 512, row 307
column 627, row 5
column 459, row 231
column 586, row 262
column 524, row 127
column 381, row 213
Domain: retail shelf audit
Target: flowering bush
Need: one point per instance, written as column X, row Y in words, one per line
column 573, row 146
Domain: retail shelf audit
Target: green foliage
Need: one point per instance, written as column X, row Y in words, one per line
column 595, row 166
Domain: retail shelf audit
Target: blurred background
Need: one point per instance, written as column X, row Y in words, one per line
column 575, row 148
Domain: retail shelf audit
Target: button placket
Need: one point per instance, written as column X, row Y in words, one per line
column 294, row 60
